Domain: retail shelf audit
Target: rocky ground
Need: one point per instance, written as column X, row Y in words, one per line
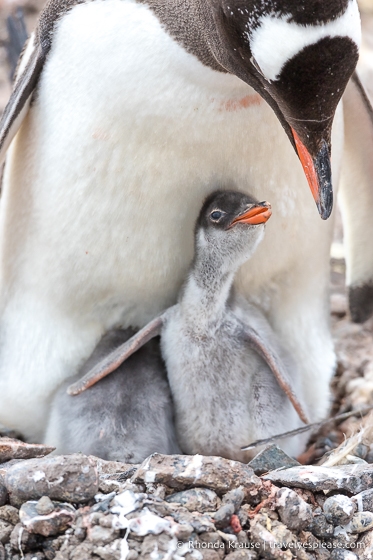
column 193, row 507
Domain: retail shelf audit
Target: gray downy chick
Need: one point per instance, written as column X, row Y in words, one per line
column 230, row 379
column 125, row 417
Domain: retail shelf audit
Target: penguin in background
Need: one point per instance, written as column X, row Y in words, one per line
column 130, row 113
column 358, row 170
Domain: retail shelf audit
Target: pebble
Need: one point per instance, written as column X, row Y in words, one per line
column 369, row 457
column 70, row 478
column 365, row 550
column 102, row 535
column 44, row 506
column 339, row 509
column 242, row 555
column 361, row 450
column 338, row 305
column 182, row 471
column 364, row 500
column 270, row 458
column 3, row 495
column 234, row 497
column 10, row 514
column 352, row 478
column 313, row 544
column 214, row 541
column 342, row 554
column 21, row 538
column 5, row 531
column 294, row 512
column 56, row 521
column 196, row 499
column 222, row 517
column 156, row 547
column 361, row 521
column 266, row 543
column 15, row 449
column 321, row 527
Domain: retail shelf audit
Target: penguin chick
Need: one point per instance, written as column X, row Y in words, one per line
column 224, row 363
column 126, row 417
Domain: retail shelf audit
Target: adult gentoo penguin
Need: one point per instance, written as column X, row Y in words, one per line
column 230, row 379
column 132, row 112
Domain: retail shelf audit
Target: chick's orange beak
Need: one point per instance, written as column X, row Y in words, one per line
column 255, row 216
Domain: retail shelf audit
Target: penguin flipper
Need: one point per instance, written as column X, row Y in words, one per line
column 113, row 360
column 356, row 199
column 19, row 102
column 256, row 342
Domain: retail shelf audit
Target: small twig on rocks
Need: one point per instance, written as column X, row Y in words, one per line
column 292, row 433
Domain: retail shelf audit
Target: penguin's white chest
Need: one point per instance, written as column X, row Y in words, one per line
column 130, row 133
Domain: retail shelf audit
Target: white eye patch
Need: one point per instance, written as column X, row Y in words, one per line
column 276, row 40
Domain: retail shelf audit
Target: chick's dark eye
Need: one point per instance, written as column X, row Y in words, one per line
column 216, row 215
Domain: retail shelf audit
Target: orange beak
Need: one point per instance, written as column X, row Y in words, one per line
column 318, row 173
column 256, row 215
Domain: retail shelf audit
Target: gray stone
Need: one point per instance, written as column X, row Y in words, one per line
column 339, row 509
column 270, row 458
column 5, row 531
column 153, row 544
column 196, row 499
column 344, row 540
column 266, row 544
column 70, row 478
column 369, row 457
column 9, row 514
column 223, row 516
column 57, row 521
column 361, row 450
column 242, row 555
column 111, row 551
column 2, row 552
column 44, row 506
column 361, row 522
column 352, row 478
column 294, row 512
column 21, row 538
column 182, row 531
column 234, row 497
column 3, row 494
column 102, row 535
column 182, row 471
column 200, row 522
column 342, row 554
column 321, row 527
column 34, row 556
column 214, row 541
column 338, row 305
column 364, row 548
column 15, row 449
column 314, row 545
column 364, row 500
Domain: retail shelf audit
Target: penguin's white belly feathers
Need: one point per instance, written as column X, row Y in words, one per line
column 126, row 136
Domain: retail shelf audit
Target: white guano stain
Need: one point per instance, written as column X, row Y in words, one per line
column 39, row 475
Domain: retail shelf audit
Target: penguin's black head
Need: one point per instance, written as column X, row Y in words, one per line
column 298, row 55
column 223, row 210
